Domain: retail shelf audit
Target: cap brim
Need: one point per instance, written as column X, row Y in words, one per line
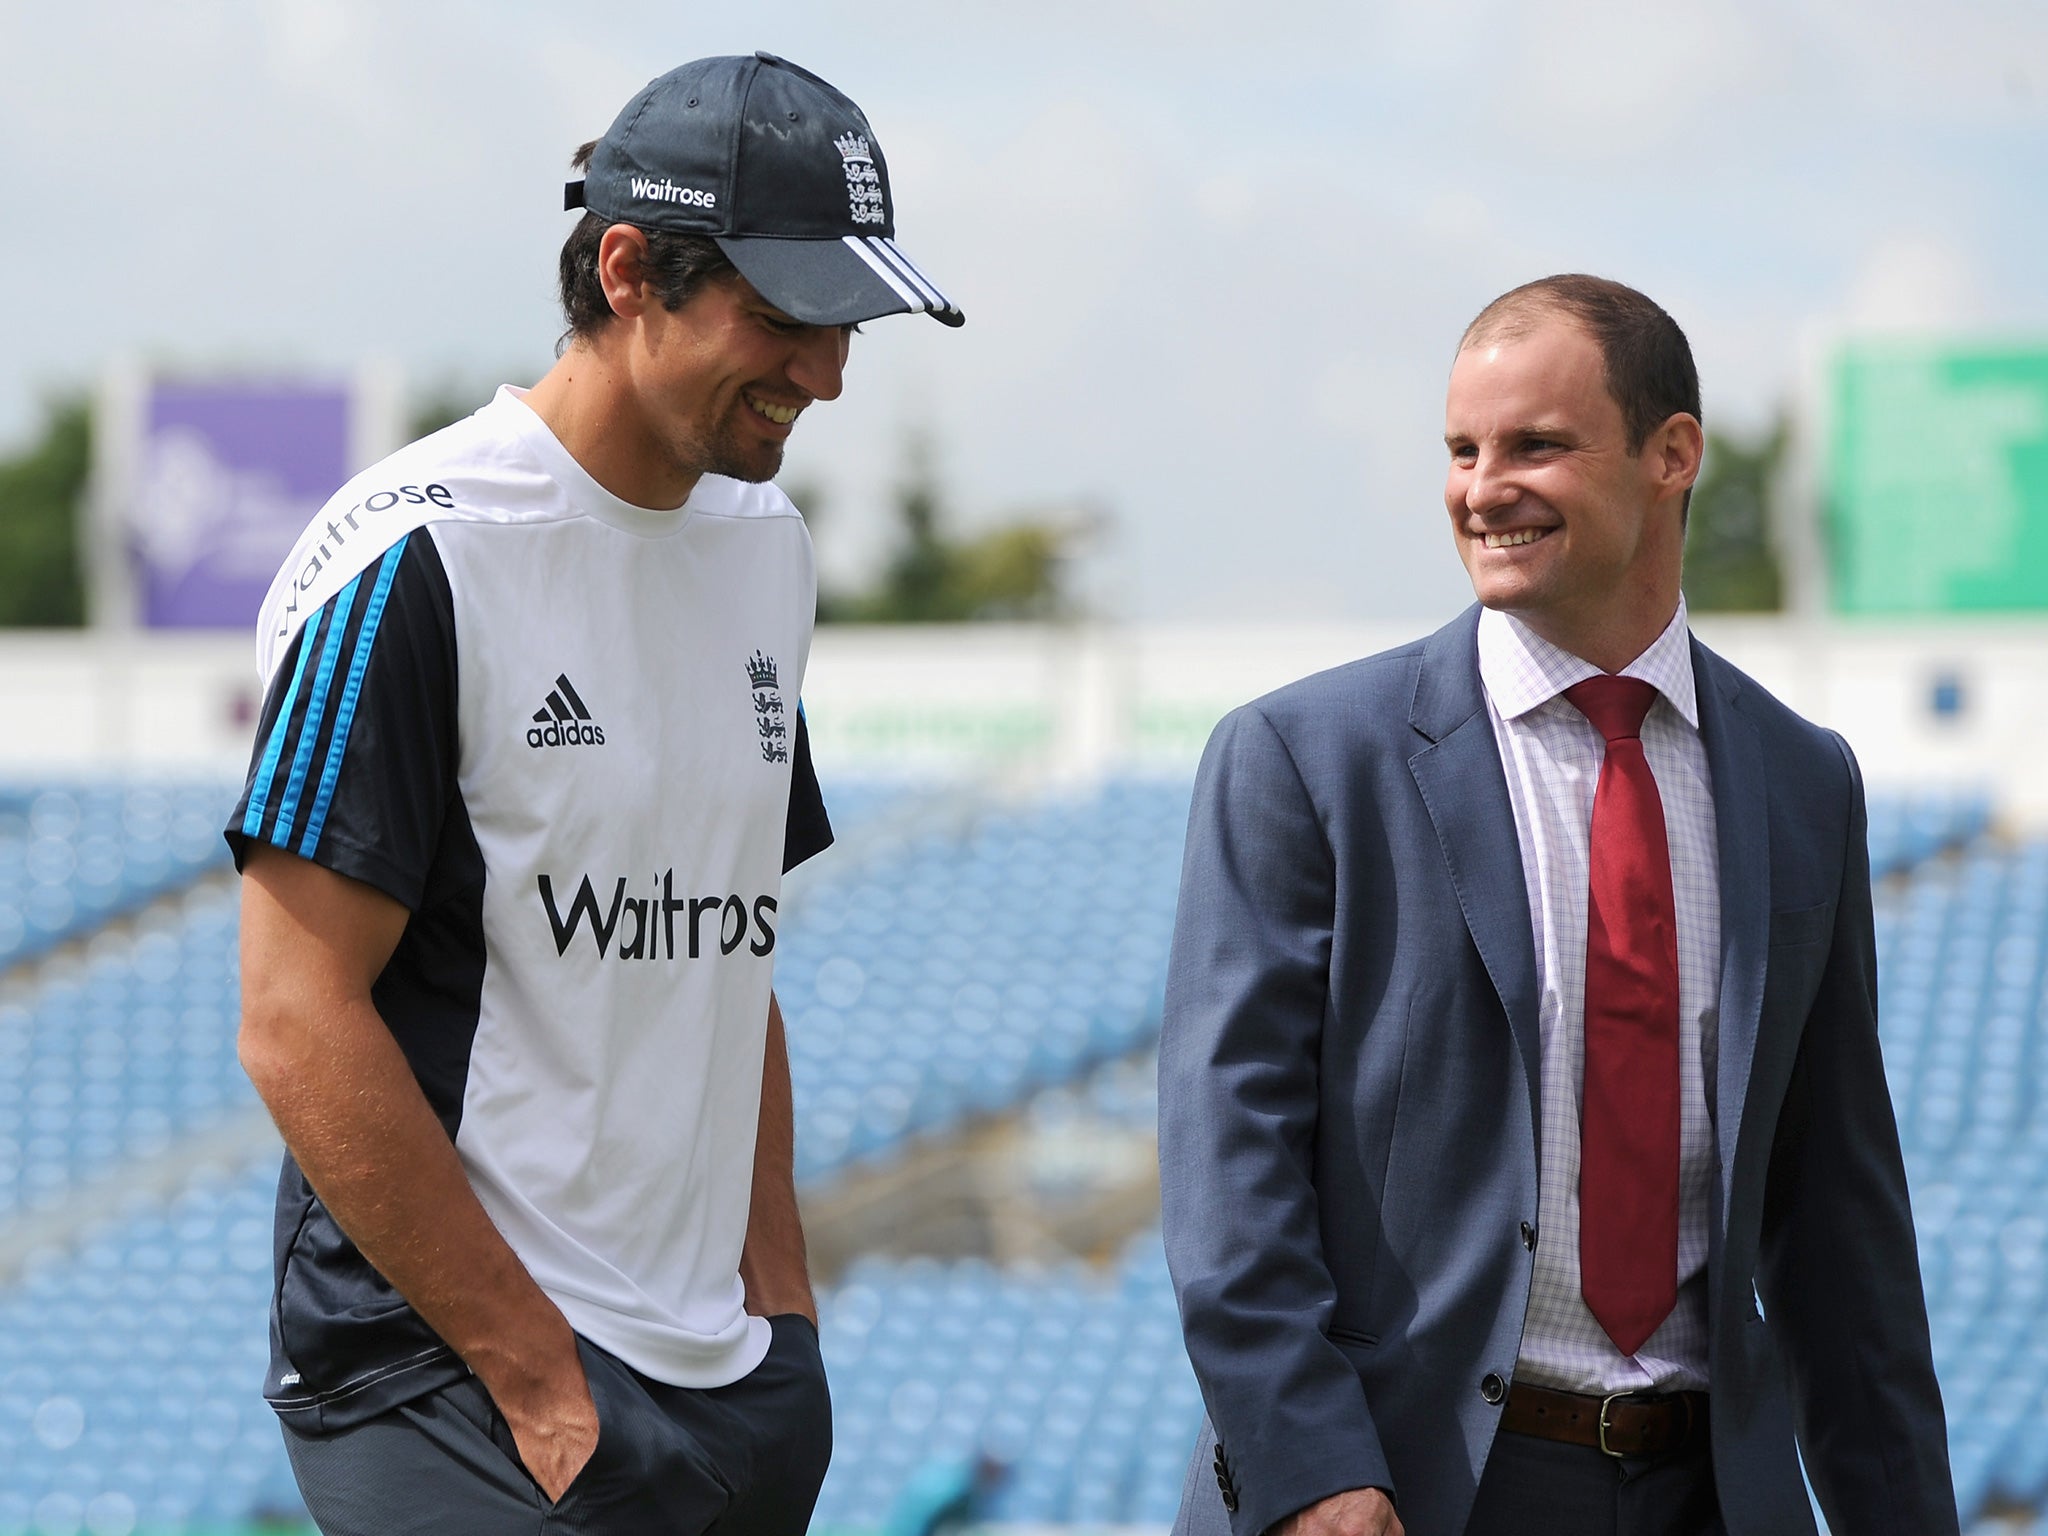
column 838, row 282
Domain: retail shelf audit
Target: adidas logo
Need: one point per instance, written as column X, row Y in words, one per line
column 564, row 721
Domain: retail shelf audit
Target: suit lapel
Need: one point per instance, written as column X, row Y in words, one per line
column 1742, row 834
column 1465, row 791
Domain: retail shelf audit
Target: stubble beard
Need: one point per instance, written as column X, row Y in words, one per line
column 722, row 450
column 737, row 459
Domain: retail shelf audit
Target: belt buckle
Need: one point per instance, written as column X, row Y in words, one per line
column 1605, row 1403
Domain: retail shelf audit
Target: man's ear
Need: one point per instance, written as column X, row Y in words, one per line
column 1674, row 452
column 621, row 268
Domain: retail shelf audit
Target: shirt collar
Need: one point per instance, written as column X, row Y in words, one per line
column 577, row 484
column 1523, row 671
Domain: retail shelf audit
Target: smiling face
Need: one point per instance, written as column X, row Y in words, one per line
column 720, row 382
column 656, row 398
column 1556, row 520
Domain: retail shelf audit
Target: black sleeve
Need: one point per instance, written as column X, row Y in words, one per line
column 808, row 831
column 357, row 747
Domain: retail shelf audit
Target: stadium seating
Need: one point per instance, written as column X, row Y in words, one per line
column 1964, row 1000
column 120, row 1052
column 1906, row 830
column 963, row 973
column 938, row 976
column 952, row 978
column 1965, row 995
column 1074, row 1380
column 130, row 1045
column 74, row 855
column 129, row 1373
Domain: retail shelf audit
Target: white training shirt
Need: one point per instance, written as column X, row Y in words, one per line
column 564, row 732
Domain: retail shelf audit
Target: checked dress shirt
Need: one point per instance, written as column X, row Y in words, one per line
column 1551, row 755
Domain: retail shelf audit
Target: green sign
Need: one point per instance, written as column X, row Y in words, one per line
column 944, row 726
column 1938, row 479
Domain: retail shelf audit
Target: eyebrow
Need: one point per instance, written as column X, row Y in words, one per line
column 1526, row 429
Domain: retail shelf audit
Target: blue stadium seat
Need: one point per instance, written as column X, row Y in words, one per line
column 978, row 969
column 115, row 1056
column 1017, row 965
column 74, row 855
column 1076, row 1379
column 129, row 1371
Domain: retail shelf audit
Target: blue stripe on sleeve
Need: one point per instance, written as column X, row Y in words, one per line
column 316, row 707
column 345, row 713
column 266, row 775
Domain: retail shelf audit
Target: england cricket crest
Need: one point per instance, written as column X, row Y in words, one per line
column 863, row 181
column 769, row 720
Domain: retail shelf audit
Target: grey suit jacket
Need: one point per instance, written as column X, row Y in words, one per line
column 1348, row 1116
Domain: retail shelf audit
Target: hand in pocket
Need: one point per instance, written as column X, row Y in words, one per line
column 555, row 1427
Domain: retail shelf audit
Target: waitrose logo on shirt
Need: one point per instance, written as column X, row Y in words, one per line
column 651, row 923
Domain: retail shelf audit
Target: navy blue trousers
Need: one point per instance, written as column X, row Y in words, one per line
column 741, row 1460
column 1535, row 1487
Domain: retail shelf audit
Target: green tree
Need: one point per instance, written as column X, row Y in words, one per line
column 1016, row 570
column 42, row 501
column 1731, row 563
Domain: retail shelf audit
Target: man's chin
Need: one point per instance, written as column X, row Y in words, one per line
column 1503, row 596
column 1505, row 602
column 753, row 465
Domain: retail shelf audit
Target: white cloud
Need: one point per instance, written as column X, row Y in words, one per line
column 1214, row 257
column 1914, row 281
column 1620, row 77
column 1454, row 216
column 1985, row 62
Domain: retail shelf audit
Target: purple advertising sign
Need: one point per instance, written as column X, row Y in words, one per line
column 227, row 476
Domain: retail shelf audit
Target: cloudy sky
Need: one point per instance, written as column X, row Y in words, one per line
column 1214, row 255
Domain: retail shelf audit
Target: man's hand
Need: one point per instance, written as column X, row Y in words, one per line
column 554, row 1424
column 1355, row 1512
column 359, row 1125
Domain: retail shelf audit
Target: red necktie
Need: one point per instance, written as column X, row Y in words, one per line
column 1628, row 1167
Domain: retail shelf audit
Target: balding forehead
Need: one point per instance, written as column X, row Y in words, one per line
column 1512, row 317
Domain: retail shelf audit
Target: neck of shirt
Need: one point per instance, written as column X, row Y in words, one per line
column 577, row 483
column 1523, row 671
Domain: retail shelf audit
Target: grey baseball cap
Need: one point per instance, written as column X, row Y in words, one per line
column 777, row 167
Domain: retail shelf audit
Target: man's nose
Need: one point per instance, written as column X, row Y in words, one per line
column 819, row 365
column 1487, row 487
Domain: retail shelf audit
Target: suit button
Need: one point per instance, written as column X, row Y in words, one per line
column 1223, row 1481
column 1528, row 1237
column 1493, row 1389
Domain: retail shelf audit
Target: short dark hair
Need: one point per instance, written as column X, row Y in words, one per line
column 1647, row 359
column 677, row 265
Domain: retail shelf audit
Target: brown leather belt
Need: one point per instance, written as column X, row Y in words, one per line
column 1622, row 1424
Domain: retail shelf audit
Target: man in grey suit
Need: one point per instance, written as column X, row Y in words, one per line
column 1527, row 1159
